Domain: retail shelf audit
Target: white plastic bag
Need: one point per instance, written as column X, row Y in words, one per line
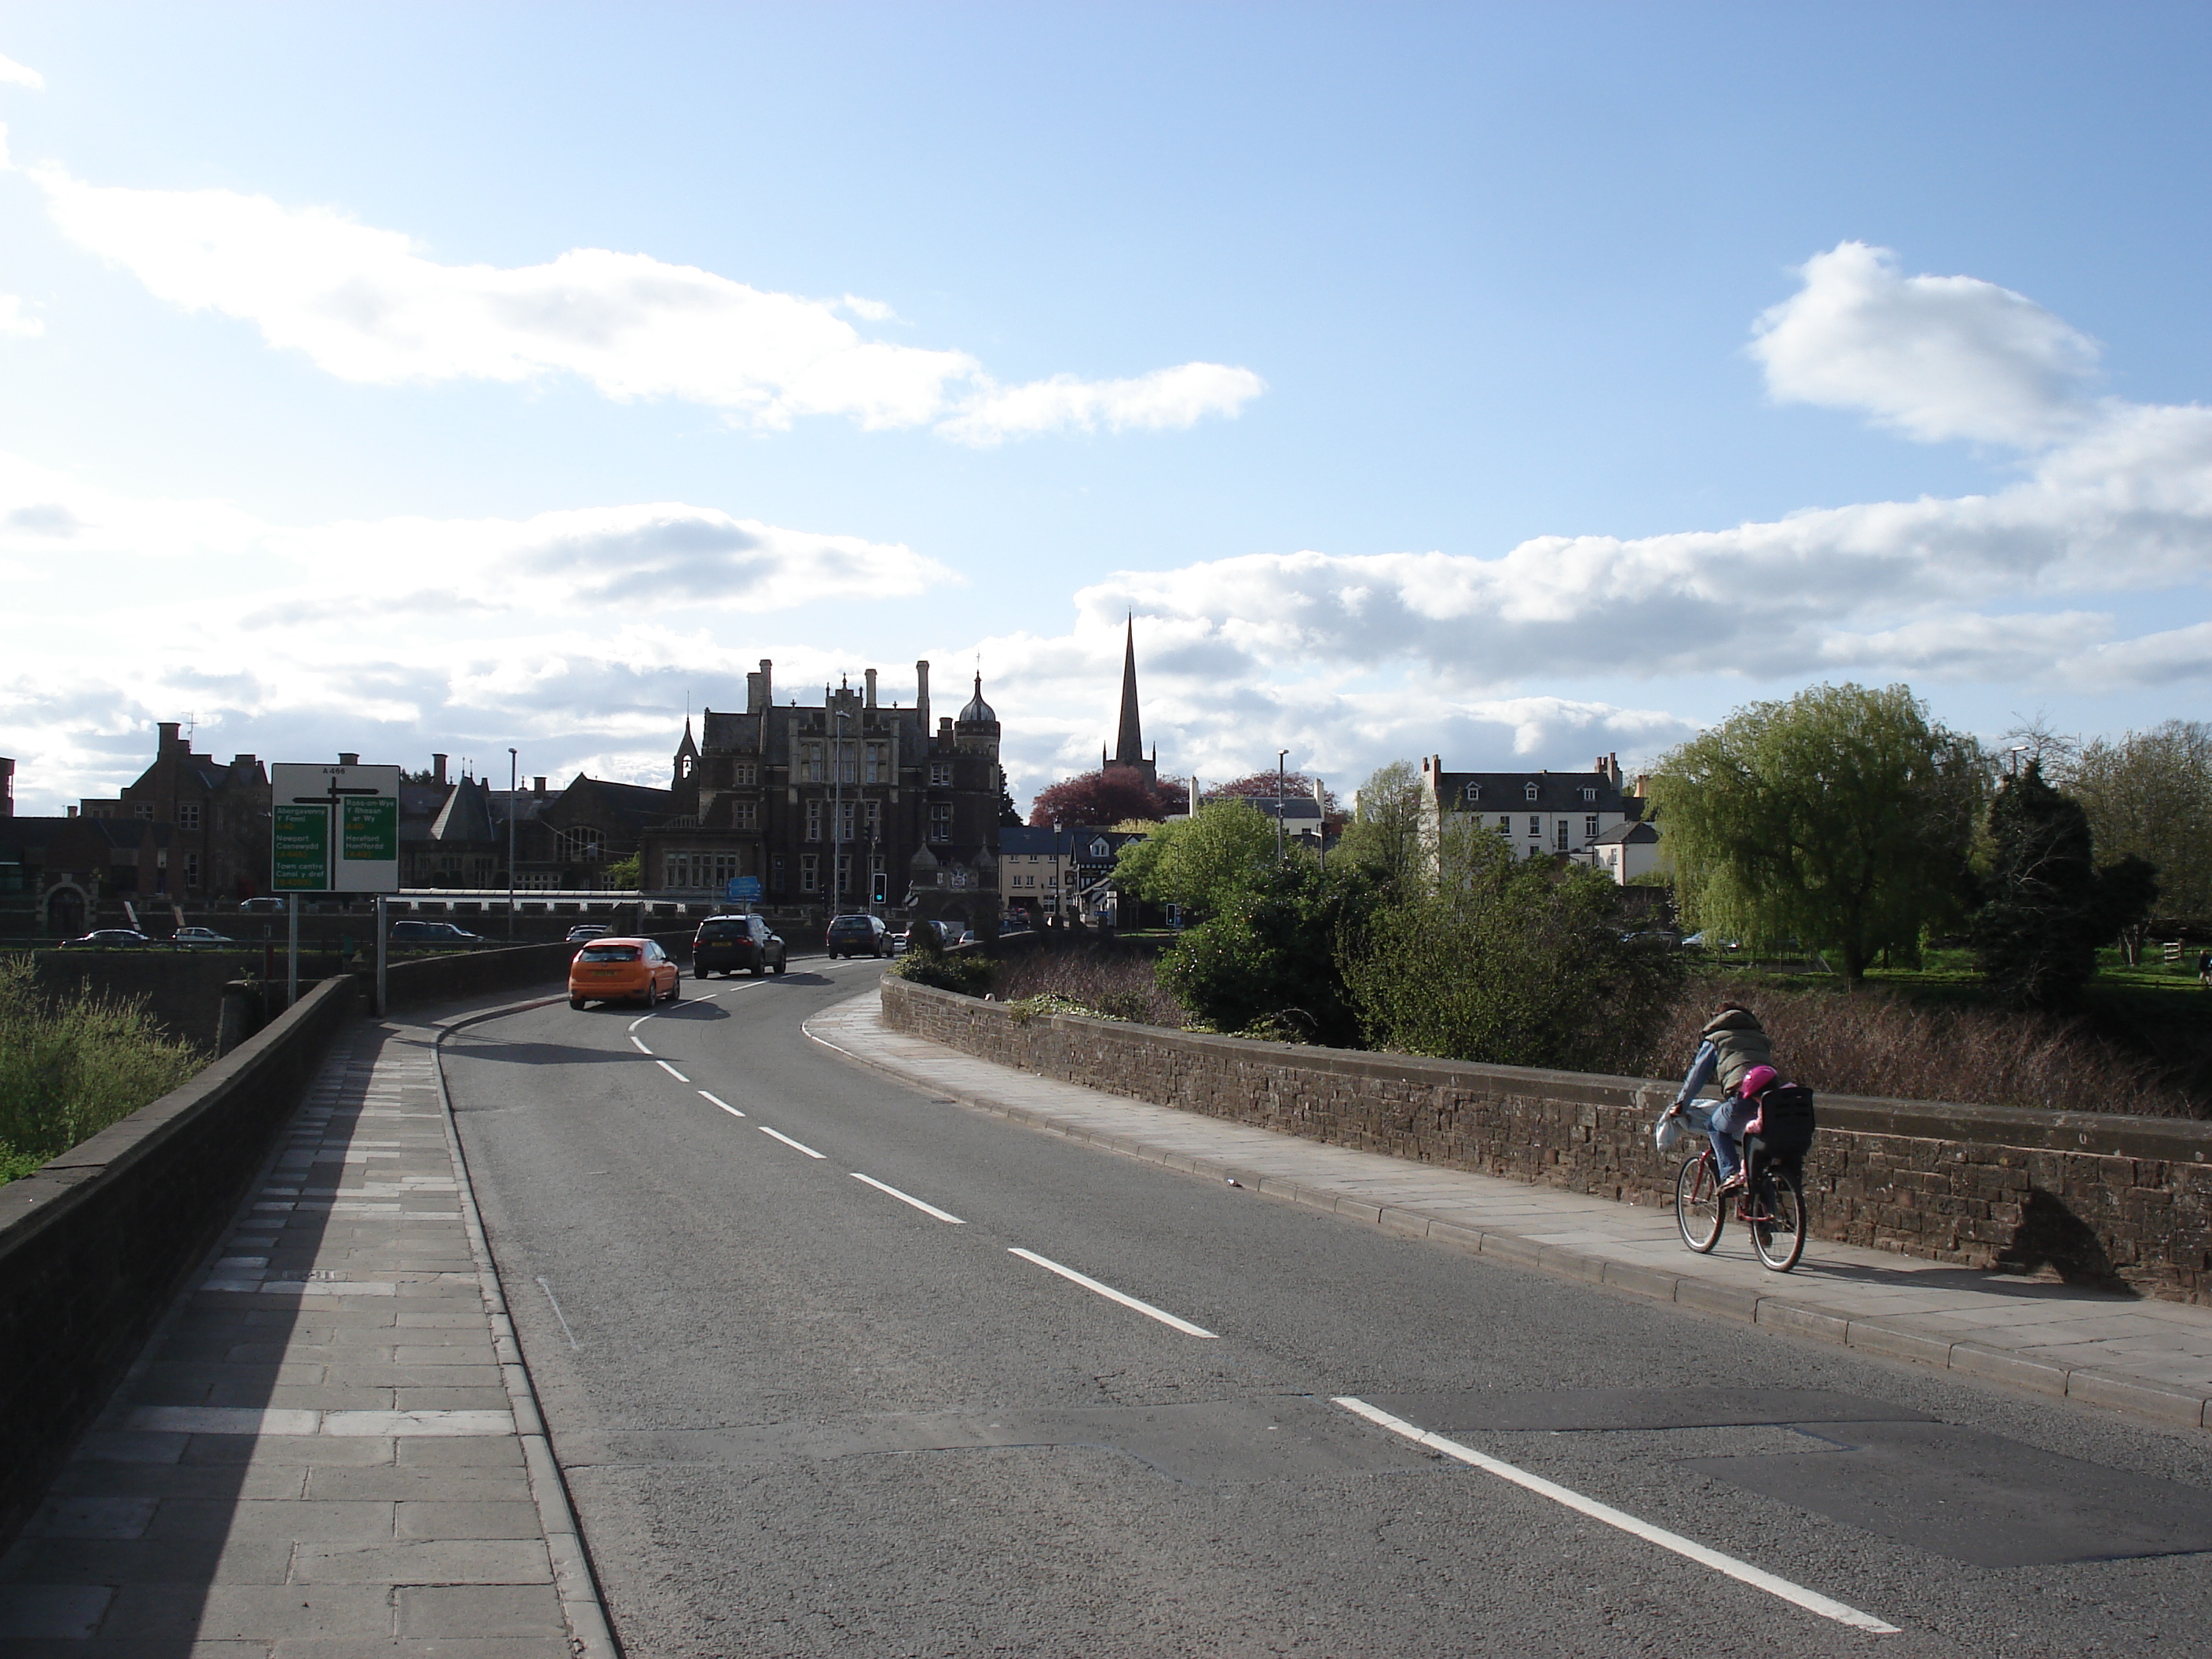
column 1666, row 1134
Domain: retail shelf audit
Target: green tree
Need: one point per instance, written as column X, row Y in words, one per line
column 2046, row 904
column 1272, row 960
column 1843, row 817
column 1199, row 862
column 627, row 874
column 2150, row 794
column 1385, row 835
column 1509, row 961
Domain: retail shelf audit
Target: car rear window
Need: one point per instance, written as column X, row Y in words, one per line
column 607, row 953
column 721, row 933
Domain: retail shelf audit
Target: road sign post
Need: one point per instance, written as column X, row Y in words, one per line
column 332, row 830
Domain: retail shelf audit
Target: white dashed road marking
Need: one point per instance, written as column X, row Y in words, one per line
column 716, row 1100
column 671, row 1070
column 1742, row 1571
column 795, row 1145
column 1113, row 1295
column 908, row 1197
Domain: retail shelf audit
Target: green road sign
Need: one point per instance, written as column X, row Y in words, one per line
column 372, row 828
column 302, row 839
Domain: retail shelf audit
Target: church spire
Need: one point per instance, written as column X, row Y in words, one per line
column 1129, row 741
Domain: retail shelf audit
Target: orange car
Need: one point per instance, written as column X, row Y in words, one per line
column 623, row 970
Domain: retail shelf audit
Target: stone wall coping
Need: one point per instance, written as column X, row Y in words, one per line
column 2114, row 1134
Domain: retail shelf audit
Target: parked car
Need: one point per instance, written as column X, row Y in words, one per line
column 267, row 904
column 623, row 970
column 944, row 932
column 723, row 944
column 411, row 932
column 857, row 935
column 584, row 930
column 199, row 938
column 106, row 939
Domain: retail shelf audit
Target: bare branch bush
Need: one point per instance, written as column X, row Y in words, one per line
column 1869, row 1044
column 1115, row 982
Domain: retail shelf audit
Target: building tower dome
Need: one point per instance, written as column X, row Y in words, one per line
column 978, row 712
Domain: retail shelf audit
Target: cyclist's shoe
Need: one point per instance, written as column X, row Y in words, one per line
column 1735, row 1183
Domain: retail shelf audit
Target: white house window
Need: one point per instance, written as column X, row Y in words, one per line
column 848, row 765
column 745, row 772
column 1527, row 792
column 144, row 809
column 1559, row 834
column 577, row 845
column 810, row 873
column 191, row 869
column 1474, row 792
column 1504, row 824
column 188, row 816
column 813, row 823
column 811, row 765
column 1590, row 794
column 846, row 810
column 745, row 815
column 878, row 764
column 940, row 775
column 940, row 821
column 1535, row 828
column 1590, row 828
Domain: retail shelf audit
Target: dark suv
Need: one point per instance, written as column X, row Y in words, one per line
column 857, row 936
column 725, row 944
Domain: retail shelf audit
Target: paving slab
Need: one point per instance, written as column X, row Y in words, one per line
column 2149, row 1359
column 321, row 1451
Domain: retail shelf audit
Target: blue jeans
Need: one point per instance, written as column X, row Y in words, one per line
column 1719, row 1120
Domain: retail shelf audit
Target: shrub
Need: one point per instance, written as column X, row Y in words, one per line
column 1513, row 962
column 962, row 971
column 71, row 1065
column 1272, row 962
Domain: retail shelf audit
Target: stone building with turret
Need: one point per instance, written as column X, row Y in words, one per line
column 850, row 803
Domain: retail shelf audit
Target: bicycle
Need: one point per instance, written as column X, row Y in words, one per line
column 1770, row 1202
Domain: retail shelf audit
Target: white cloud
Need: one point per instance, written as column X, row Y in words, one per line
column 1166, row 397
column 15, row 321
column 13, row 73
column 366, row 305
column 1936, row 357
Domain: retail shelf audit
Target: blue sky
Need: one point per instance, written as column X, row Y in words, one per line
column 410, row 378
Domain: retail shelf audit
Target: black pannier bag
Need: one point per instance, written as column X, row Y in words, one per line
column 1784, row 1127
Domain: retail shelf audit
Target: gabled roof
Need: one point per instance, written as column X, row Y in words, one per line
column 1632, row 832
column 1556, row 792
column 466, row 815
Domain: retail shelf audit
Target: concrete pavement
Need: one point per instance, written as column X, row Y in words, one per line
column 2149, row 1359
column 330, row 1449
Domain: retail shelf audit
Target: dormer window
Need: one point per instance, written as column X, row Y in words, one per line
column 1474, row 792
column 1590, row 794
column 1528, row 791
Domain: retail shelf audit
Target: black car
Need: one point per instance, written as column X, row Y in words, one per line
column 106, row 939
column 725, row 944
column 857, row 936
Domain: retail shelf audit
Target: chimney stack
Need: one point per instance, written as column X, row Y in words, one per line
column 170, row 740
column 869, row 701
column 540, row 791
column 921, row 693
column 767, row 684
column 347, row 759
column 438, row 770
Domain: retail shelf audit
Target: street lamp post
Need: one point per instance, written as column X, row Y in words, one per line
column 1281, row 755
column 514, row 804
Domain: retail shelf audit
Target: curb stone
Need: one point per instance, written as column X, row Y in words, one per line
column 590, row 1635
column 2131, row 1396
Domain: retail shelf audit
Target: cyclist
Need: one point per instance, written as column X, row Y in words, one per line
column 1730, row 1048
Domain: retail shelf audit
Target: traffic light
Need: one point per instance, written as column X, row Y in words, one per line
column 881, row 890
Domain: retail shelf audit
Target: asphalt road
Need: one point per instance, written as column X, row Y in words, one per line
column 802, row 1414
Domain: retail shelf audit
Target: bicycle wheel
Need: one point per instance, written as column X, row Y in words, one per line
column 1777, row 1223
column 1698, row 1209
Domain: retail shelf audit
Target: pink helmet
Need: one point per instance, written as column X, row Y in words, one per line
column 1757, row 1081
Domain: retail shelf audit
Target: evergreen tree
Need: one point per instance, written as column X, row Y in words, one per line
column 2045, row 905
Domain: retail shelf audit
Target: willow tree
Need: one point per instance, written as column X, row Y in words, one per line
column 1842, row 819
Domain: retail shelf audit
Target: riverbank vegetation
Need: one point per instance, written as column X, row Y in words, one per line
column 70, row 1066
